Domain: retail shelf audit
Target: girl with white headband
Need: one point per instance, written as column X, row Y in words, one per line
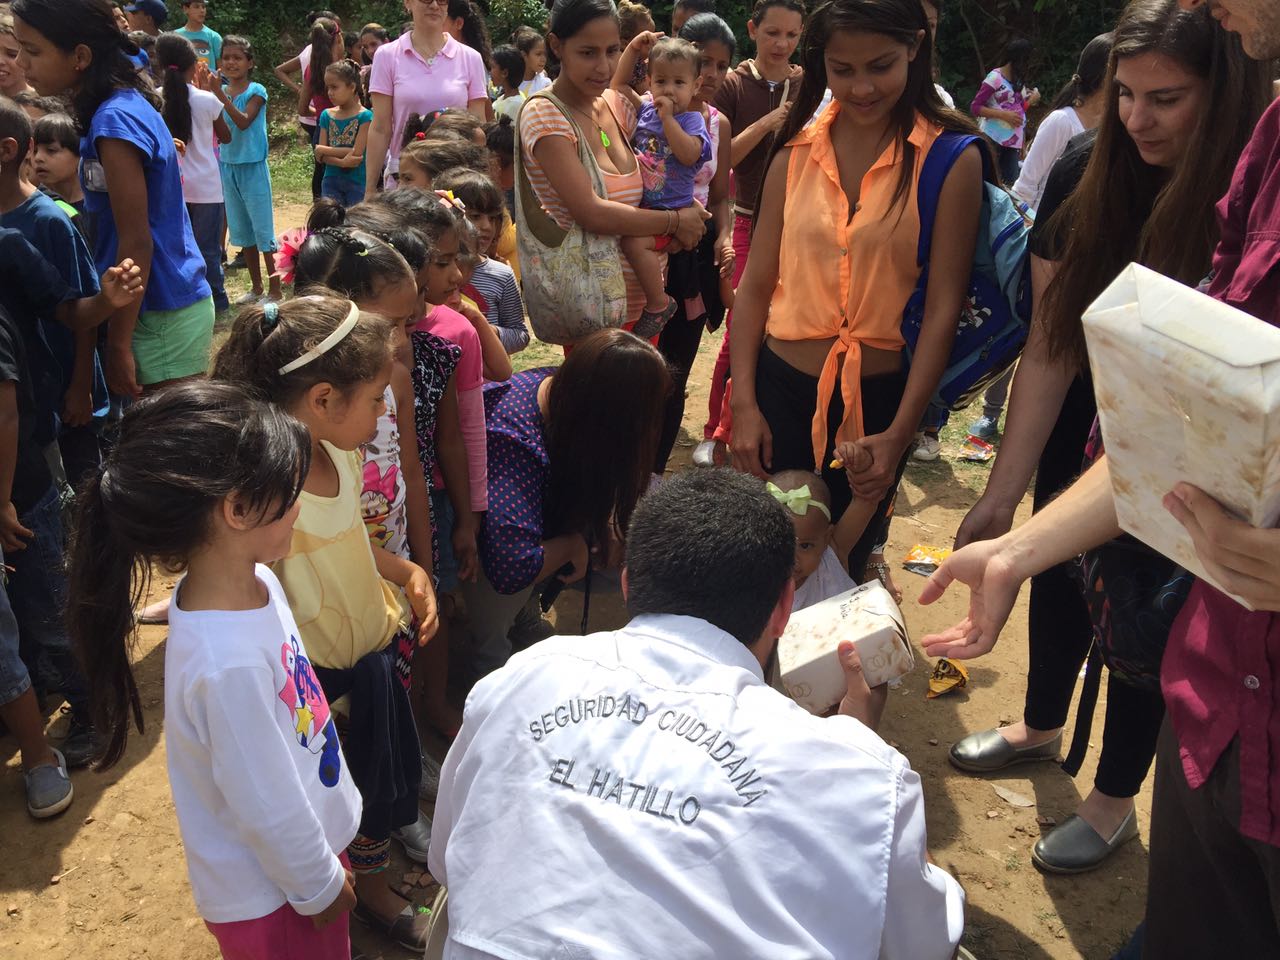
column 328, row 364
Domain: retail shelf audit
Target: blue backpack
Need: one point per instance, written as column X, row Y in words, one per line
column 997, row 310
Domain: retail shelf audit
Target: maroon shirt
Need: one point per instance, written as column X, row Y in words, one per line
column 1221, row 672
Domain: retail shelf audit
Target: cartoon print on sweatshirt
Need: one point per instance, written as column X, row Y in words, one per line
column 313, row 724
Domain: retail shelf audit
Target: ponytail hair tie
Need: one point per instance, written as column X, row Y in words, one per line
column 270, row 316
column 173, row 67
column 420, row 135
column 1075, row 78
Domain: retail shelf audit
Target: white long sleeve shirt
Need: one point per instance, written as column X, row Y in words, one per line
column 643, row 793
column 264, row 800
column 1051, row 140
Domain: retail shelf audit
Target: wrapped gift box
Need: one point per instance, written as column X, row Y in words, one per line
column 807, row 658
column 1188, row 390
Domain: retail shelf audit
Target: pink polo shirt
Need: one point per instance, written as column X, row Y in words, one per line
column 455, row 77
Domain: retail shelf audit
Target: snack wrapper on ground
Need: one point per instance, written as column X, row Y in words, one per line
column 977, row 450
column 924, row 560
column 807, row 657
column 947, row 675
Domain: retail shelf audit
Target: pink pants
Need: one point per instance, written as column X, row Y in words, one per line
column 720, row 376
column 283, row 935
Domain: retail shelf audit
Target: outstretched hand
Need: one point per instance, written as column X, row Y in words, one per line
column 993, row 589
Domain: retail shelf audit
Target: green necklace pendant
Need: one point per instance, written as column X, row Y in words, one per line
column 604, row 139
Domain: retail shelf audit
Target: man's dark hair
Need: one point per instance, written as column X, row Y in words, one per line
column 710, row 544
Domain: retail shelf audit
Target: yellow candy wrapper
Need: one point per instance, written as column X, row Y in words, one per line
column 947, row 675
column 924, row 560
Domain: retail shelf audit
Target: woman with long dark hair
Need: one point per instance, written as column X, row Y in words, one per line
column 1181, row 101
column 816, row 344
column 571, row 450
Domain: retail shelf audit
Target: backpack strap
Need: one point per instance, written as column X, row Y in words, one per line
column 942, row 156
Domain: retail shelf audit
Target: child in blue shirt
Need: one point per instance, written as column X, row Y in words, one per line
column 344, row 135
column 208, row 43
column 133, row 192
column 246, row 179
column 79, row 389
column 672, row 144
column 33, row 295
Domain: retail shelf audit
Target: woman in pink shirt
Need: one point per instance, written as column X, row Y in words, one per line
column 425, row 70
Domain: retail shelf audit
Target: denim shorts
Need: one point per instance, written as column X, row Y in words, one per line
column 14, row 679
column 37, row 590
column 346, row 191
column 443, row 515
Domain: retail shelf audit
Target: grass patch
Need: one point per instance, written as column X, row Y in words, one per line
column 291, row 170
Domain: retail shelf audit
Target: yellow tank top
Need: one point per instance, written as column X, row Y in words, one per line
column 343, row 608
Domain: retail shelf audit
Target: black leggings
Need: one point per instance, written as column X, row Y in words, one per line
column 787, row 398
column 679, row 343
column 1061, row 631
column 690, row 274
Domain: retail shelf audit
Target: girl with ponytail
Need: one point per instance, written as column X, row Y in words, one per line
column 361, row 609
column 194, row 115
column 132, row 186
column 265, row 799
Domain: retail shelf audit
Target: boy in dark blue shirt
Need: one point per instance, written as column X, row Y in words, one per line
column 33, row 292
column 81, row 387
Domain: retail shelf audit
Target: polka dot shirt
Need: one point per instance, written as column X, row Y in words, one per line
column 511, row 535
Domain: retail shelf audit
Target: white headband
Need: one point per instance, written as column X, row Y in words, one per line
column 328, row 343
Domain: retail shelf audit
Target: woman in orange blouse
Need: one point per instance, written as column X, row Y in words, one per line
column 816, row 347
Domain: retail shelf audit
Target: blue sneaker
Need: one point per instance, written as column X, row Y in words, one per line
column 49, row 790
column 985, row 428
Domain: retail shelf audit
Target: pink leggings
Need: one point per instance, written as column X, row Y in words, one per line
column 284, row 935
column 716, row 402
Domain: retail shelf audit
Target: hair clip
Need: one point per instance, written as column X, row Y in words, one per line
column 448, row 197
column 270, row 316
column 362, row 252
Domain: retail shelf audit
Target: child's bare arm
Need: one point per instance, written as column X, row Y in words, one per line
column 853, row 523
column 684, row 146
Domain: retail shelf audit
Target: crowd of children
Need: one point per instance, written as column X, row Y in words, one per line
column 322, row 479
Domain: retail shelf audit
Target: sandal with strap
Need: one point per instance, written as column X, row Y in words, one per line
column 410, row 927
column 650, row 323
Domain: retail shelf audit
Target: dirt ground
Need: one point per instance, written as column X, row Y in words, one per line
column 108, row 879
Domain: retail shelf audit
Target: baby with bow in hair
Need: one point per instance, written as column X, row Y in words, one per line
column 822, row 547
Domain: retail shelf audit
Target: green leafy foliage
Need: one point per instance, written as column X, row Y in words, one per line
column 506, row 15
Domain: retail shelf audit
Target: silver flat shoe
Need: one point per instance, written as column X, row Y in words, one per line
column 987, row 752
column 1075, row 847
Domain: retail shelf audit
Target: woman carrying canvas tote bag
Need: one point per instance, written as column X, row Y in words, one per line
column 576, row 172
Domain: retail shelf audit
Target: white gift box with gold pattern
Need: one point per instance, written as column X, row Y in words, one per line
column 1188, row 390
column 807, row 657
